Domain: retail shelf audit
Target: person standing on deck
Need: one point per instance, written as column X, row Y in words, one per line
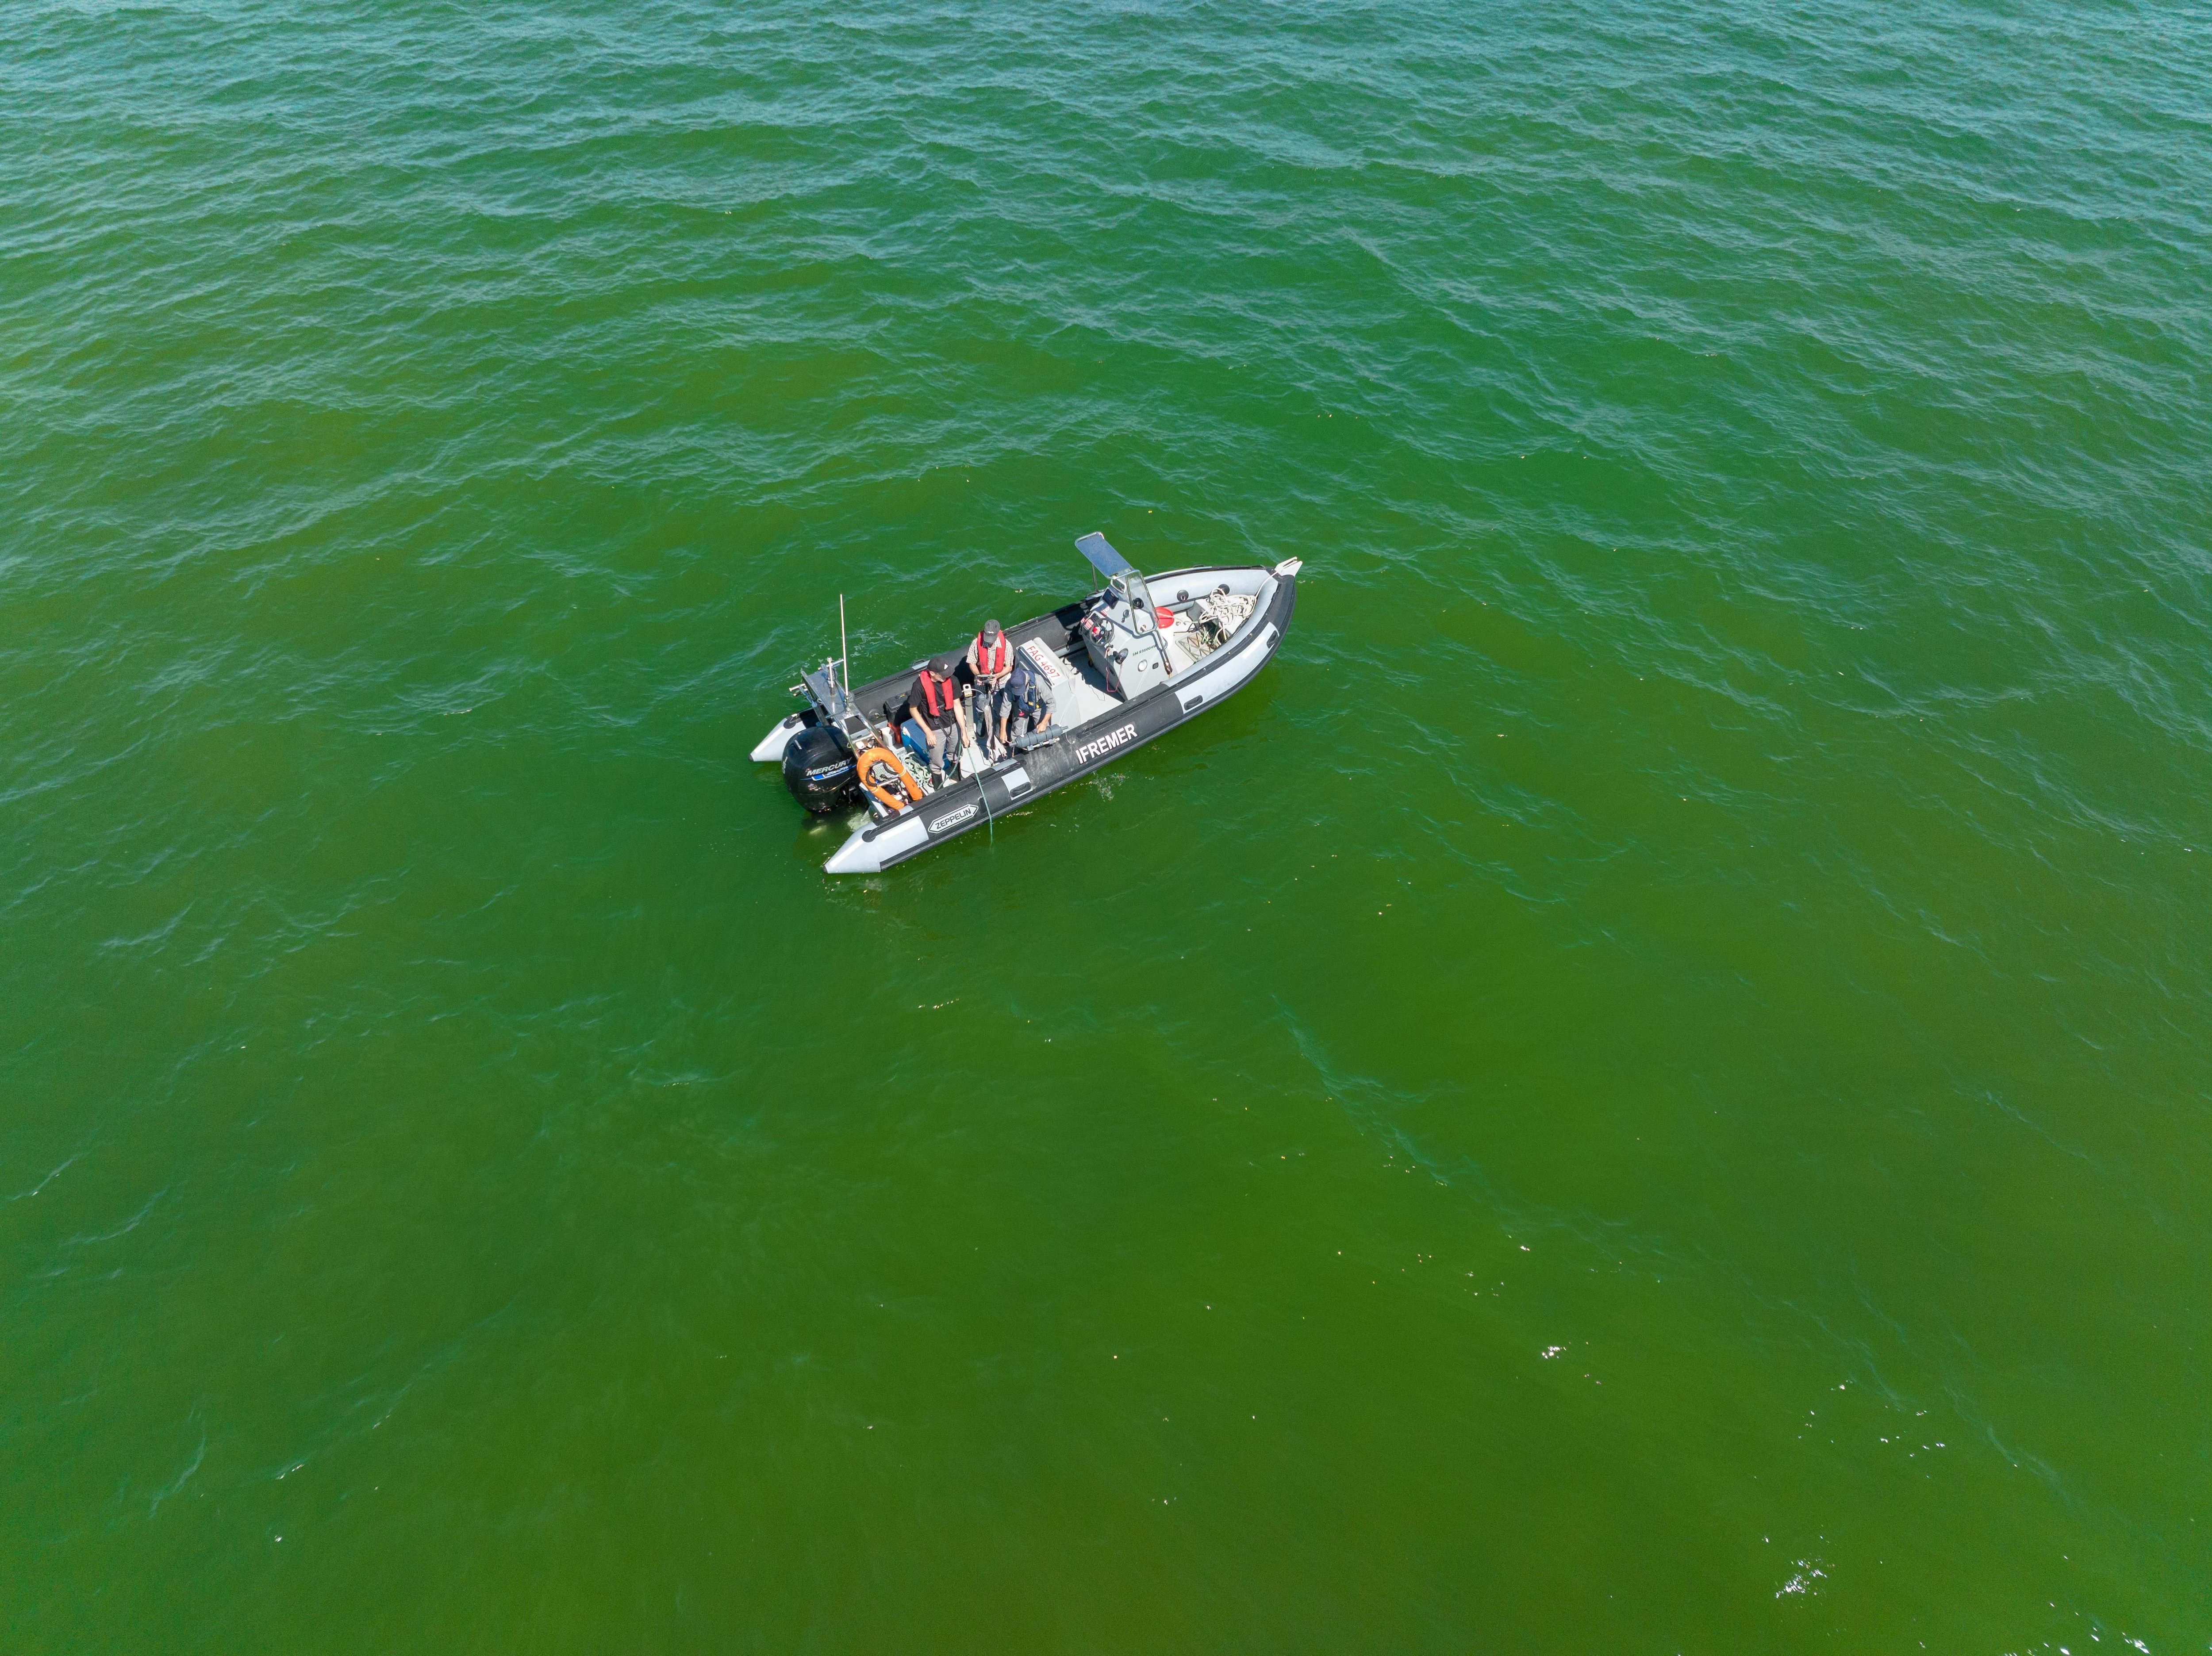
column 932, row 709
column 990, row 664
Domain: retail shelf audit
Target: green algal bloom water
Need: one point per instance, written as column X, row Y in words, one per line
column 1646, row 1089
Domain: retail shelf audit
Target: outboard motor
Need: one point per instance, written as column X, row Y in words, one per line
column 818, row 768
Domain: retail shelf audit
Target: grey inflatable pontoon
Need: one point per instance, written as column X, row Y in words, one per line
column 1125, row 663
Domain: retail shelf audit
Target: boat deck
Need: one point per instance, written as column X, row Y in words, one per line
column 1084, row 697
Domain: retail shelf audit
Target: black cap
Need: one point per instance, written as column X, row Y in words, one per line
column 990, row 631
column 942, row 665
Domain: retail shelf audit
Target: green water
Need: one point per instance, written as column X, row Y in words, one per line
column 1646, row 1088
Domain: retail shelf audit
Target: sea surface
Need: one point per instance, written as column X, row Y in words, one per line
column 1646, row 1089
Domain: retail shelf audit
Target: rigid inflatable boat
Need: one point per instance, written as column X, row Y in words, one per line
column 1123, row 665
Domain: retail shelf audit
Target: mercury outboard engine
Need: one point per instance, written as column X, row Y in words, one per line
column 818, row 768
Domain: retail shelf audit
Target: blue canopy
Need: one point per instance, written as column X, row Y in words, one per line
column 1103, row 558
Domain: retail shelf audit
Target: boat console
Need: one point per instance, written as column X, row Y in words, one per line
column 1121, row 636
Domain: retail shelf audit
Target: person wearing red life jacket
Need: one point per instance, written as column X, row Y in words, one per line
column 933, row 713
column 990, row 664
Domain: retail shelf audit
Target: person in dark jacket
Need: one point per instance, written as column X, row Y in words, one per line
column 1028, row 704
column 932, row 712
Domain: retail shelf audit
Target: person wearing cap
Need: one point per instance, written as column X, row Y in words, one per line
column 932, row 709
column 1029, row 704
column 990, row 664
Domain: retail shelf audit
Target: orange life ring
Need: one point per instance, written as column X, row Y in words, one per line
column 874, row 757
